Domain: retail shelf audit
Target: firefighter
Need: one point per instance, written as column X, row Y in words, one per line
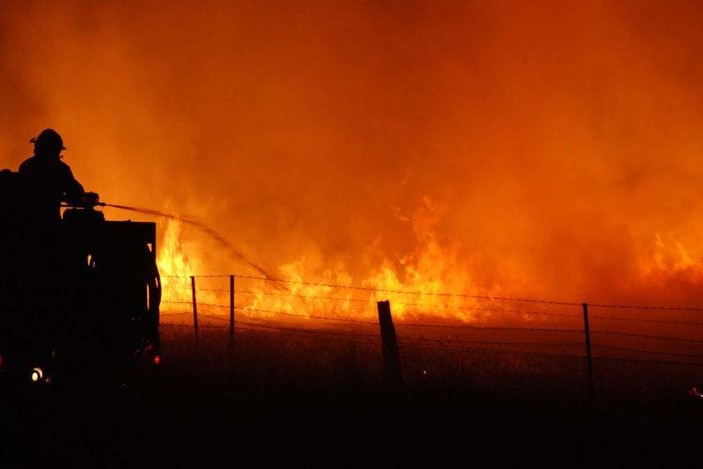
column 44, row 249
column 47, row 180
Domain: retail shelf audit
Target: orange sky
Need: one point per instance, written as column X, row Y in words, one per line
column 536, row 147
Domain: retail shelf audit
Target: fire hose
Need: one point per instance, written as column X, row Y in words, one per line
column 91, row 199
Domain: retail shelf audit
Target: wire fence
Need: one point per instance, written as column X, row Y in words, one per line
column 452, row 337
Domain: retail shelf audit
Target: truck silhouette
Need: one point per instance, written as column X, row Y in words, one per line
column 82, row 303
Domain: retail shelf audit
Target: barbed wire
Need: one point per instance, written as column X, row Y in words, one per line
column 255, row 317
column 445, row 294
column 445, row 326
column 467, row 346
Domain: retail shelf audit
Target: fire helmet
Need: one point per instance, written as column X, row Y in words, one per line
column 48, row 139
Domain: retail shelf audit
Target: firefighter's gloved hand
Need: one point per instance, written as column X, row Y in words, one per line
column 90, row 199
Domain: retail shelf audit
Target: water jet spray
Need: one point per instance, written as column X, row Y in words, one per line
column 91, row 200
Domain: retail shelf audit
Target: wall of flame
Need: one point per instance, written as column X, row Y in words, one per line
column 545, row 148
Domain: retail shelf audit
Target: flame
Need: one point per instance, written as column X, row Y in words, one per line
column 674, row 258
column 416, row 284
column 669, row 270
column 175, row 266
column 433, row 281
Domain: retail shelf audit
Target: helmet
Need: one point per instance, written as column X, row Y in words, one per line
column 48, row 139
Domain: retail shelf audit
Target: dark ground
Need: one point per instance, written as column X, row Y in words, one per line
column 200, row 416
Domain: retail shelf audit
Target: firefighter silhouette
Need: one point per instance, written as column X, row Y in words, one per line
column 45, row 183
column 47, row 180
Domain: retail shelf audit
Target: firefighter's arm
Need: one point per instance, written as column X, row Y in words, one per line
column 73, row 190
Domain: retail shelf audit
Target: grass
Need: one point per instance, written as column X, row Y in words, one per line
column 275, row 397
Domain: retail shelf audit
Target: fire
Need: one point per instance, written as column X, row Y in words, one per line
column 669, row 270
column 432, row 282
column 416, row 284
column 172, row 259
column 670, row 258
column 175, row 265
column 428, row 282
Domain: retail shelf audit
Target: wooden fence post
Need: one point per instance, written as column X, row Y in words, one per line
column 195, row 305
column 231, row 305
column 391, row 359
column 231, row 349
column 589, row 358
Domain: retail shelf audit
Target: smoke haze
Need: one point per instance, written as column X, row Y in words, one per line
column 537, row 148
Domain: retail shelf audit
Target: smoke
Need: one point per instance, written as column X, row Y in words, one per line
column 553, row 148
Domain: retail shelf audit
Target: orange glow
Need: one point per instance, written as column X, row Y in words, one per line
column 174, row 265
column 470, row 148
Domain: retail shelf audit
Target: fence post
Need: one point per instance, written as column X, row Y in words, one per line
column 589, row 358
column 391, row 358
column 230, row 355
column 195, row 305
column 231, row 305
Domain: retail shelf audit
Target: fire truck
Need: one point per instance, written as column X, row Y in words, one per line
column 78, row 302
